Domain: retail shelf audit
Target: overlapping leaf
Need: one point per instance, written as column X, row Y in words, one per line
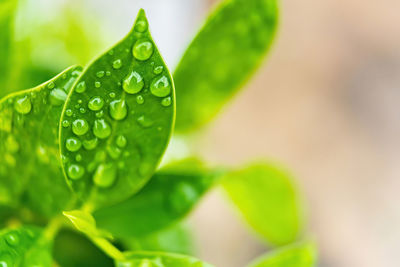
column 118, row 119
column 223, row 55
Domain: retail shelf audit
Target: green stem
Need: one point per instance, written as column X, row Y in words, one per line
column 108, row 248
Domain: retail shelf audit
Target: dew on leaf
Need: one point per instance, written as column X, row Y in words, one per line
column 73, row 144
column 112, row 94
column 158, row 70
column 121, row 141
column 97, row 84
column 96, row 103
column 118, row 109
column 75, row 171
column 12, row 239
column 114, row 152
column 160, row 86
column 166, row 101
column 57, row 97
column 101, row 129
column 23, row 105
column 133, row 83
column 81, row 87
column 78, row 158
column 143, row 49
column 68, row 112
column 140, row 99
column 105, row 175
column 100, row 114
column 90, row 144
column 65, row 123
column 144, row 121
column 100, row 74
column 80, row 126
column 141, row 26
column 117, row 64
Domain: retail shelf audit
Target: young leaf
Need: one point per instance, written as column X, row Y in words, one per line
column 168, row 197
column 268, row 201
column 29, row 158
column 222, row 57
column 299, row 255
column 119, row 119
column 24, row 247
column 159, row 259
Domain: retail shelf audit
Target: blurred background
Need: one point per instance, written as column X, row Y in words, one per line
column 324, row 104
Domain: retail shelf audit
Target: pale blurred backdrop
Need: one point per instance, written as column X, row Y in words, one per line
column 325, row 104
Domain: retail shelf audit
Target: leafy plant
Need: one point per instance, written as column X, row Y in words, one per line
column 80, row 181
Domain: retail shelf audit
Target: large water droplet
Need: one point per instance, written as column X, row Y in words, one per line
column 121, row 141
column 75, row 171
column 57, row 97
column 12, row 239
column 81, row 87
column 118, row 109
column 117, row 64
column 23, row 105
column 133, row 83
column 96, row 103
column 90, row 144
column 160, row 86
column 144, row 121
column 141, row 25
column 73, row 144
column 143, row 49
column 101, row 129
column 105, row 175
column 166, row 101
column 80, row 126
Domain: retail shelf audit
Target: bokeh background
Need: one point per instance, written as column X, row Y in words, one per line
column 324, row 104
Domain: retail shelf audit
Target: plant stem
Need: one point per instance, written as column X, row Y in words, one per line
column 108, row 248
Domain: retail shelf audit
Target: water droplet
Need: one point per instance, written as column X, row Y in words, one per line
column 100, row 74
column 68, row 112
column 139, row 99
column 166, row 101
column 158, row 69
column 143, row 49
column 133, row 83
column 80, row 101
column 117, row 64
column 81, row 87
column 111, row 52
column 118, row 109
column 108, row 73
column 82, row 110
column 121, row 141
column 105, row 175
column 80, row 126
column 12, row 239
column 114, row 152
column 112, row 94
column 101, row 129
column 57, row 97
column 65, row 123
column 160, row 86
column 75, row 171
column 90, row 144
column 51, row 85
column 73, row 144
column 100, row 114
column 141, row 25
column 23, row 105
column 144, row 121
column 78, row 158
column 97, row 84
column 96, row 103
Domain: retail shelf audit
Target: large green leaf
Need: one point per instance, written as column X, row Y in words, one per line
column 298, row 255
column 168, row 197
column 24, row 246
column 159, row 259
column 222, row 57
column 117, row 120
column 268, row 201
column 30, row 165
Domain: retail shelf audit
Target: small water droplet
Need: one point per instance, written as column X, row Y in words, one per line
column 12, row 239
column 96, row 103
column 114, row 152
column 80, row 126
column 82, row 110
column 141, row 25
column 160, row 86
column 105, row 175
column 140, row 99
column 100, row 74
column 117, row 64
column 78, row 158
column 101, row 129
column 100, row 114
column 23, row 105
column 108, row 73
column 81, row 87
column 111, row 52
column 144, row 121
column 97, row 84
column 90, row 144
column 65, row 123
column 51, row 85
column 57, row 97
column 80, row 101
column 121, row 141
column 158, row 69
column 68, row 112
column 166, row 101
column 73, row 144
column 75, row 171
column 133, row 83
column 143, row 49
column 118, row 109
column 112, row 94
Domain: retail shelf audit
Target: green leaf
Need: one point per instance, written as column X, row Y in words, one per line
column 159, row 259
column 168, row 197
column 84, row 222
column 268, row 201
column 119, row 119
column 222, row 57
column 24, row 246
column 30, row 169
column 298, row 255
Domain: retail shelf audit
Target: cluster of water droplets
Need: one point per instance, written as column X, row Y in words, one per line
column 14, row 242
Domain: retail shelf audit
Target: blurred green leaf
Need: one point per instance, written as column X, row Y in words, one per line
column 168, row 197
column 30, row 171
column 120, row 116
column 24, row 246
column 268, row 201
column 159, row 259
column 298, row 255
column 222, row 57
